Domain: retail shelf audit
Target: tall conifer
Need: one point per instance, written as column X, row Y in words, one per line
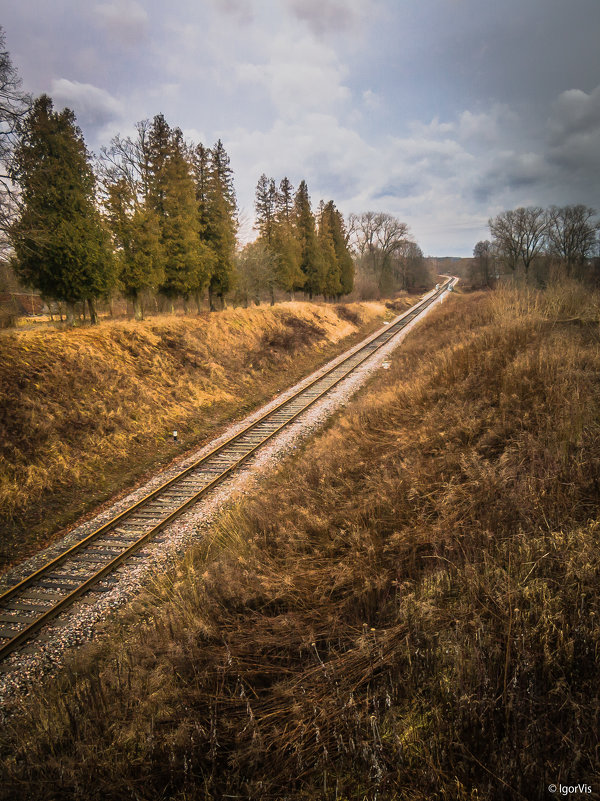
column 60, row 242
column 343, row 282
column 221, row 223
column 311, row 262
column 266, row 208
column 136, row 235
column 331, row 285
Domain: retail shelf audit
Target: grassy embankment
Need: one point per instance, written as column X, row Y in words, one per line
column 84, row 413
column 409, row 610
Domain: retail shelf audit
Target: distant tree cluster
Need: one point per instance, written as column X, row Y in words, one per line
column 300, row 251
column 561, row 238
column 385, row 253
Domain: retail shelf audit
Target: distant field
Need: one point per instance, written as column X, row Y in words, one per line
column 86, row 412
column 409, row 610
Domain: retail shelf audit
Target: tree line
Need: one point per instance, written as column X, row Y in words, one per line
column 306, row 251
column 534, row 239
column 153, row 214
column 158, row 214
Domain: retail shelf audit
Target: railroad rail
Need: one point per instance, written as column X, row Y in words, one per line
column 31, row 603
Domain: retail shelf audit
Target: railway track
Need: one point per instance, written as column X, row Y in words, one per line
column 26, row 607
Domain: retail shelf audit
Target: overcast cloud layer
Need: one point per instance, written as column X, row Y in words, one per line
column 442, row 112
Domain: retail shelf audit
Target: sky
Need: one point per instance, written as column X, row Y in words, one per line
column 440, row 112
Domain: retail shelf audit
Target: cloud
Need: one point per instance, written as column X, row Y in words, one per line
column 574, row 133
column 93, row 106
column 330, row 16
column 300, row 76
column 440, row 124
column 125, row 20
column 486, row 127
column 239, row 9
column 371, row 99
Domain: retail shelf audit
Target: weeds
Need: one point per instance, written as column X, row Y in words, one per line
column 409, row 610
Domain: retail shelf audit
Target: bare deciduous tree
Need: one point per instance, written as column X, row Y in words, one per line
column 14, row 107
column 572, row 234
column 483, row 263
column 507, row 238
column 127, row 160
column 376, row 237
column 519, row 235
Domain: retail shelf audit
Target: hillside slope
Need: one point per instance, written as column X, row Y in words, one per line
column 410, row 610
column 84, row 412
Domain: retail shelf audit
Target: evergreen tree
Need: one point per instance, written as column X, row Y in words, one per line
column 172, row 193
column 200, row 163
column 160, row 148
column 221, row 169
column 311, row 262
column 265, row 204
column 136, row 234
column 185, row 263
column 285, row 241
column 330, row 281
column 342, row 254
column 285, row 202
column 221, row 223
column 60, row 242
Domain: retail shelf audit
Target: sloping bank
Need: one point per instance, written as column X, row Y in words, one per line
column 86, row 412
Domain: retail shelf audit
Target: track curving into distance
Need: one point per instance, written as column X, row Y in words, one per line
column 27, row 606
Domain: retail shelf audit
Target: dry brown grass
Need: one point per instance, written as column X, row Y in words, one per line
column 85, row 412
column 409, row 610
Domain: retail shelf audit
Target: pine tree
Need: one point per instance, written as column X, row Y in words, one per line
column 266, row 207
column 285, row 241
column 186, row 271
column 345, row 264
column 285, row 202
column 311, row 262
column 160, row 146
column 221, row 169
column 60, row 242
column 172, row 196
column 200, row 162
column 221, row 223
column 136, row 234
column 199, row 158
column 331, row 285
